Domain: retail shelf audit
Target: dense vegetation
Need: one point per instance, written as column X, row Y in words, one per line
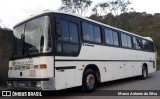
column 6, row 47
column 139, row 23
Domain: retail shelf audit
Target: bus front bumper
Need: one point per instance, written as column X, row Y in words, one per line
column 31, row 83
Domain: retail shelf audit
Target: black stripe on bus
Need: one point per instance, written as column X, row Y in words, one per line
column 27, row 79
column 108, row 60
column 66, row 67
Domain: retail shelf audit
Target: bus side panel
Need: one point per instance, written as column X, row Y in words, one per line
column 152, row 63
column 95, row 55
column 65, row 74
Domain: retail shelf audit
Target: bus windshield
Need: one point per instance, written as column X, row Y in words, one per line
column 32, row 37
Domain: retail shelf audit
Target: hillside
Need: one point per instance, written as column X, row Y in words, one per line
column 6, row 47
column 139, row 23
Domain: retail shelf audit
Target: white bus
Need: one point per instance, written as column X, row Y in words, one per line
column 57, row 50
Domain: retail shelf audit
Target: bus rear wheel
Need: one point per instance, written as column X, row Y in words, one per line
column 144, row 73
column 89, row 82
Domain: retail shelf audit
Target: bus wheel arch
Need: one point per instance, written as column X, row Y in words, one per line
column 90, row 70
column 144, row 71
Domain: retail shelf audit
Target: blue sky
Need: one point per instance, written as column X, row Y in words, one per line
column 13, row 11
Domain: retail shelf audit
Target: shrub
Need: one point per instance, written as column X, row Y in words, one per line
column 158, row 63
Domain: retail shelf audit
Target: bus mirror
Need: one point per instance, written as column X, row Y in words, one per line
column 41, row 43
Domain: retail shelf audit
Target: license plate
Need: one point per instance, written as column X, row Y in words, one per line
column 21, row 84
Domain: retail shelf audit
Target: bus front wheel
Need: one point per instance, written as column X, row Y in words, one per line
column 89, row 82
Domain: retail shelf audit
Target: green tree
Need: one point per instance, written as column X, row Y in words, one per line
column 75, row 6
column 102, row 8
column 115, row 7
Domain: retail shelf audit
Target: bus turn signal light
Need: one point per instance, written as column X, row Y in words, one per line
column 43, row 66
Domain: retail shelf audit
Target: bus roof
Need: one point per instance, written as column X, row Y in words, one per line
column 79, row 16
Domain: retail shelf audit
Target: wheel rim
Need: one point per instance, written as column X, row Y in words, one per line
column 90, row 81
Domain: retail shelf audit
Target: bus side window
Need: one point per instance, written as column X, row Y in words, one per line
column 147, row 45
column 137, row 44
column 97, row 34
column 151, row 46
column 134, row 42
column 73, row 31
column 64, row 32
column 115, row 38
column 108, row 36
column 59, row 47
column 126, row 40
column 129, row 43
column 67, row 42
column 87, row 30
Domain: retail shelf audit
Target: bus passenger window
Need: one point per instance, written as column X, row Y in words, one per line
column 67, row 42
column 73, row 30
column 108, row 36
column 129, row 43
column 87, row 30
column 97, row 34
column 147, row 45
column 64, row 30
column 115, row 38
column 59, row 47
column 124, row 40
column 137, row 44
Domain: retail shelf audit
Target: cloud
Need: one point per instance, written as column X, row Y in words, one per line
column 12, row 11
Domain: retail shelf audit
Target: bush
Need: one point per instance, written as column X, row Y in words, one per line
column 2, row 82
column 158, row 63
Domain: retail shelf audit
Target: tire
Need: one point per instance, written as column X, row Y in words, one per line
column 144, row 73
column 89, row 82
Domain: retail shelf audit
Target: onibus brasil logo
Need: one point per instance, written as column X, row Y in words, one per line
column 14, row 93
